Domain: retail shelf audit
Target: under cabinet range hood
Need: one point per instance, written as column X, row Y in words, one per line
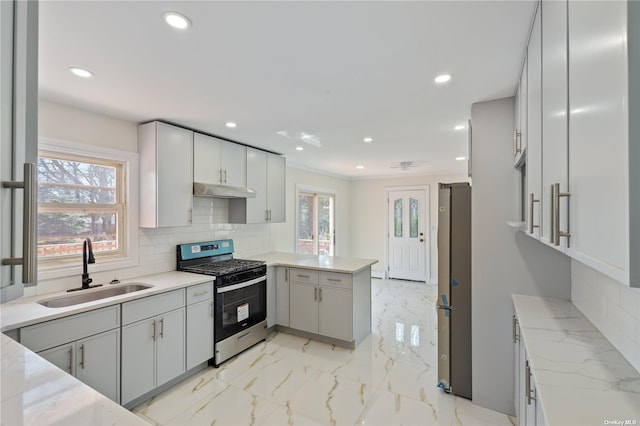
column 221, row 191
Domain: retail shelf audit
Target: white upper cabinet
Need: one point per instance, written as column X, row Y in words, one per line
column 218, row 161
column 276, row 183
column 166, row 175
column 257, row 180
column 534, row 128
column 520, row 128
column 604, row 154
column 555, row 162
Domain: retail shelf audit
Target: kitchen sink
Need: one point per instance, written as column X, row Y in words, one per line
column 92, row 295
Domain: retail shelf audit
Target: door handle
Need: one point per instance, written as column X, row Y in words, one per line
column 29, row 205
column 531, row 201
column 82, row 356
column 162, row 328
column 555, row 218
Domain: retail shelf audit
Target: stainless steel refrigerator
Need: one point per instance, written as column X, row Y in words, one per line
column 454, row 288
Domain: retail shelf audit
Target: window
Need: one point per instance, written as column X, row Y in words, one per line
column 84, row 192
column 316, row 224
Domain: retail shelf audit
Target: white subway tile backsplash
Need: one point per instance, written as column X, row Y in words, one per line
column 612, row 307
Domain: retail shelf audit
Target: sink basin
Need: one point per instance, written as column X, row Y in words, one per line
column 84, row 296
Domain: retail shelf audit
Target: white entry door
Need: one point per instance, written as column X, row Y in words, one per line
column 408, row 234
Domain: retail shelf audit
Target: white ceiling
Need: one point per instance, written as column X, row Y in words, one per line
column 337, row 71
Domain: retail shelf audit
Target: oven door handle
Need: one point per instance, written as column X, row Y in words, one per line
column 240, row 285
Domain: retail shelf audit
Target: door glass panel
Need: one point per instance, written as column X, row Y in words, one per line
column 414, row 210
column 325, row 225
column 397, row 218
column 305, row 224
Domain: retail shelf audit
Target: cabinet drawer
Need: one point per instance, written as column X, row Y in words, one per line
column 39, row 337
column 200, row 292
column 335, row 279
column 151, row 306
column 303, row 275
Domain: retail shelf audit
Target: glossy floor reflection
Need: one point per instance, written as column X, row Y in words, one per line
column 389, row 379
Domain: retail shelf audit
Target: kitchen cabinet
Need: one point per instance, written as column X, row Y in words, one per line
column 321, row 303
column 85, row 345
column 166, row 175
column 604, row 156
column 218, row 161
column 200, row 326
column 520, row 132
column 529, row 410
column 534, row 127
column 153, row 342
column 271, row 296
column 282, row 296
column 555, row 142
column 266, row 175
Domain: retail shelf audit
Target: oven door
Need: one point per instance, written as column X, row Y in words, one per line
column 240, row 306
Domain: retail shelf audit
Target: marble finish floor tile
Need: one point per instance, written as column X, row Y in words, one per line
column 389, row 379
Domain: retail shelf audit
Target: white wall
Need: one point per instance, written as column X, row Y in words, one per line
column 283, row 236
column 157, row 247
column 368, row 216
column 505, row 261
column 612, row 307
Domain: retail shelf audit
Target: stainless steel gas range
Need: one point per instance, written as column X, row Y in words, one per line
column 240, row 295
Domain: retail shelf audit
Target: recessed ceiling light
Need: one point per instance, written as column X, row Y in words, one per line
column 80, row 72
column 176, row 20
column 360, row 166
column 459, row 127
column 299, row 148
column 443, row 78
column 368, row 139
column 461, row 158
column 230, row 124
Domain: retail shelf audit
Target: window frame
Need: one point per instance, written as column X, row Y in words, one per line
column 316, row 192
column 63, row 267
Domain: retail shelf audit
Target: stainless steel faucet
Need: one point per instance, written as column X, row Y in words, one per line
column 87, row 257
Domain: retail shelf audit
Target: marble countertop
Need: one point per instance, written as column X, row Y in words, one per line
column 347, row 265
column 35, row 392
column 580, row 377
column 26, row 310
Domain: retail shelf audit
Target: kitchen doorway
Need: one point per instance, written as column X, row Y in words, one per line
column 315, row 222
column 408, row 233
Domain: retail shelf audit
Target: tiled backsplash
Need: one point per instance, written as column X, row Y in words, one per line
column 157, row 247
column 612, row 307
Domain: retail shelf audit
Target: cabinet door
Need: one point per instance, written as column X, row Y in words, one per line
column 303, row 305
column 138, row 359
column 523, row 105
column 522, row 371
column 175, row 175
column 516, row 357
column 61, row 356
column 534, row 127
column 206, row 159
column 170, row 342
column 335, row 313
column 276, row 184
column 599, row 136
column 256, row 180
column 234, row 164
column 271, row 296
column 98, row 362
column 199, row 333
column 282, row 296
column 555, row 148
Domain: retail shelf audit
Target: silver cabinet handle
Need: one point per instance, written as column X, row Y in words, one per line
column 200, row 293
column 211, row 309
column 286, row 274
column 153, row 334
column 320, row 294
column 225, row 175
column 29, row 206
column 82, row 356
column 532, row 200
column 302, row 276
column 220, row 176
column 315, row 293
column 335, row 280
column 527, row 383
column 266, row 215
column 555, row 218
column 515, row 329
column 162, row 328
column 71, row 360
column 516, row 145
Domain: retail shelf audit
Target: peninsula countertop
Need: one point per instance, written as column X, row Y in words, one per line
column 581, row 379
column 347, row 265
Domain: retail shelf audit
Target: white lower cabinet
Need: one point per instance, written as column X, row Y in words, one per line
column 85, row 345
column 282, row 296
column 153, row 348
column 321, row 303
column 93, row 360
column 271, row 296
column 528, row 408
column 199, row 324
